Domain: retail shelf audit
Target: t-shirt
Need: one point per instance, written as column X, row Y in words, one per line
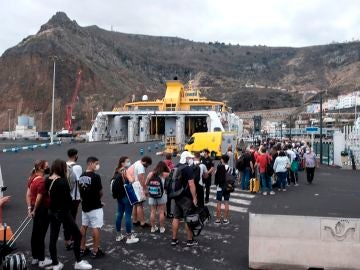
column 263, row 160
column 290, row 153
column 134, row 170
column 74, row 177
column 90, row 188
column 281, row 163
column 37, row 186
column 60, row 199
column 187, row 174
column 207, row 162
column 231, row 161
column 310, row 160
column 247, row 158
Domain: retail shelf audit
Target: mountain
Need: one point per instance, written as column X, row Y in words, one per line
column 116, row 65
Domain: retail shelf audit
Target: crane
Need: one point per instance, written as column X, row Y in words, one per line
column 70, row 106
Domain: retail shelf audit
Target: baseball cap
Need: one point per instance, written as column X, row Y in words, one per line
column 184, row 155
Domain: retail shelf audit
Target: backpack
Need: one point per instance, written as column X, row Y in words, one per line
column 174, row 185
column 240, row 164
column 269, row 167
column 155, row 187
column 116, row 185
column 196, row 217
column 229, row 184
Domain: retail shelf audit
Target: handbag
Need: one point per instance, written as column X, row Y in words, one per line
column 134, row 192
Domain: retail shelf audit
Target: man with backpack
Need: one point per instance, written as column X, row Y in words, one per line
column 294, row 165
column 208, row 162
column 200, row 173
column 224, row 179
column 246, row 166
column 183, row 191
column 74, row 172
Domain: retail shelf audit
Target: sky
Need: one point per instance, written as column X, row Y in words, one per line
column 294, row 23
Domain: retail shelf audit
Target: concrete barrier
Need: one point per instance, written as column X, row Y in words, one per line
column 302, row 242
column 30, row 147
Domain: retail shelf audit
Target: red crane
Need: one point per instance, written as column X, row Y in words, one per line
column 70, row 106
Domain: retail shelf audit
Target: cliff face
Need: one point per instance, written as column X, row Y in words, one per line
column 117, row 65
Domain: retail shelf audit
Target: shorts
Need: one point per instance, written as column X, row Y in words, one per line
column 158, row 201
column 221, row 194
column 181, row 206
column 93, row 218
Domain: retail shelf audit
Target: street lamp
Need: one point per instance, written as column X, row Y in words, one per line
column 41, row 121
column 54, row 58
column 9, row 110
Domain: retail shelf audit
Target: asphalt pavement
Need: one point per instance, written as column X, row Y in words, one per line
column 334, row 193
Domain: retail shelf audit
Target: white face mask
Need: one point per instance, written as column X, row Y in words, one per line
column 97, row 167
column 196, row 162
column 127, row 164
column 190, row 162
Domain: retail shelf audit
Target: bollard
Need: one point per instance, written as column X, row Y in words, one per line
column 156, row 146
column 141, row 151
column 149, row 149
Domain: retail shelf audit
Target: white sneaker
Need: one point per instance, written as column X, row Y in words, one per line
column 272, row 193
column 83, row 265
column 45, row 262
column 162, row 229
column 132, row 240
column 119, row 237
column 59, row 266
column 154, row 229
column 265, row 193
column 34, row 261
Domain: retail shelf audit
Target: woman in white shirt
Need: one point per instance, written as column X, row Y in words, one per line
column 281, row 165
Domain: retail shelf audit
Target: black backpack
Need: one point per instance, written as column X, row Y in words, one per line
column 155, row 187
column 116, row 186
column 196, row 217
column 174, row 184
column 229, row 184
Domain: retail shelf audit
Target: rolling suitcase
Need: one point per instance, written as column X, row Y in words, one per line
column 254, row 185
column 15, row 261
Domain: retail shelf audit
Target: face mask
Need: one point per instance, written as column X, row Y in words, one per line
column 202, row 154
column 47, row 171
column 97, row 167
column 127, row 164
column 196, row 162
column 190, row 162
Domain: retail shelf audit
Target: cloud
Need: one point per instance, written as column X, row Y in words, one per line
column 266, row 22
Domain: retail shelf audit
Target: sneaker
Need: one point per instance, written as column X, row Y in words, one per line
column 34, row 261
column 137, row 223
column 284, row 189
column 84, row 252
column 83, row 265
column 45, row 262
column 59, row 266
column 98, row 254
column 279, row 189
column 154, row 229
column 191, row 243
column 296, row 185
column 174, row 242
column 272, row 193
column 218, row 221
column 132, row 240
column 145, row 225
column 264, row 193
column 162, row 229
column 226, row 221
column 119, row 237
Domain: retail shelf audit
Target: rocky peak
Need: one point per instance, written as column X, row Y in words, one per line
column 60, row 19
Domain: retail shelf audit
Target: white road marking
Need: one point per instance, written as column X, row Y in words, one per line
column 235, row 194
column 232, row 208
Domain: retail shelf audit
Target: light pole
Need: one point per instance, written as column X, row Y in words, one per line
column 321, row 126
column 9, row 110
column 53, row 101
column 41, row 121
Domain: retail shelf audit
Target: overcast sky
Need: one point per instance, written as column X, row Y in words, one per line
column 267, row 22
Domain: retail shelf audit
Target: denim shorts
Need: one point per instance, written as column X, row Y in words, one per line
column 220, row 194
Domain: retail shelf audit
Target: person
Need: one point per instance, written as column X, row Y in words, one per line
column 200, row 173
column 292, row 157
column 309, row 164
column 123, row 203
column 184, row 202
column 158, row 204
column 248, row 170
column 230, row 154
column 74, row 172
column 253, row 154
column 281, row 166
column 92, row 212
column 38, row 203
column 136, row 172
column 262, row 161
column 220, row 177
column 168, row 161
column 208, row 162
column 3, row 200
column 171, row 166
column 58, row 189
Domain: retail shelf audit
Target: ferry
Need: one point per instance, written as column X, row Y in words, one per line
column 173, row 119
